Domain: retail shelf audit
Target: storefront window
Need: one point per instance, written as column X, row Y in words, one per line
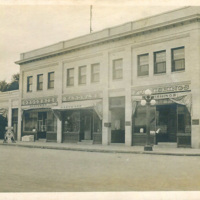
column 71, row 122
column 184, row 120
column 97, row 123
column 118, row 119
column 30, row 121
column 51, row 122
column 139, row 121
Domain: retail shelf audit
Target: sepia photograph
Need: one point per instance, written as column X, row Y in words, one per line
column 99, row 100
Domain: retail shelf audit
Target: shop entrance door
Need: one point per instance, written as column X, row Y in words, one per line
column 42, row 122
column 166, row 123
column 87, row 128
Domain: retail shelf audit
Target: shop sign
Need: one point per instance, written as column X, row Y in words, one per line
column 107, row 124
column 127, row 123
column 165, row 89
column 80, row 97
column 117, row 102
column 195, row 122
column 38, row 102
column 166, row 96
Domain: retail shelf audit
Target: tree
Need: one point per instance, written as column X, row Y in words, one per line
column 14, row 85
column 3, row 86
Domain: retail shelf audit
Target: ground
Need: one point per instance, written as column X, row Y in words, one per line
column 45, row 170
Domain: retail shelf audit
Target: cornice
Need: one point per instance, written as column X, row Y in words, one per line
column 117, row 37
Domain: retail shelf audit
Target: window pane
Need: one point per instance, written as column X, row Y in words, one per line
column 117, row 69
column 160, row 68
column 160, row 56
column 82, row 75
column 178, row 62
column 144, row 60
column 95, row 73
column 70, row 77
column 51, row 80
column 178, row 53
column 143, row 65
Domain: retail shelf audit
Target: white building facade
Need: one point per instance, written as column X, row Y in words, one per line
column 89, row 88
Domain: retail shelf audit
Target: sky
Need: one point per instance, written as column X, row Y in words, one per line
column 28, row 25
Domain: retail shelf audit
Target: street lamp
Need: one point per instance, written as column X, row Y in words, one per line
column 148, row 100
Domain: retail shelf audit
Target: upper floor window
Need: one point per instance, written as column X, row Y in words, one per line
column 40, row 82
column 160, row 62
column 29, row 83
column 82, row 75
column 178, row 59
column 118, row 69
column 143, row 65
column 50, row 80
column 95, row 74
column 70, row 77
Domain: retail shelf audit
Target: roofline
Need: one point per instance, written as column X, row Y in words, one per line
column 109, row 37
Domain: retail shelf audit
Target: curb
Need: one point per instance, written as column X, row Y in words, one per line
column 100, row 150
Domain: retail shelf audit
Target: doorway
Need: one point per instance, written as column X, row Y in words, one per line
column 86, row 125
column 166, row 123
column 42, row 124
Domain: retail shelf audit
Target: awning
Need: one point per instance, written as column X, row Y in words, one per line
column 4, row 112
column 94, row 104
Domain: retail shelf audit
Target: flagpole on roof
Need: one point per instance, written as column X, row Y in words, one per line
column 90, row 18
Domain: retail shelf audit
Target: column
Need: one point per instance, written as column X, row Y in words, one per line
column 193, row 52
column 128, row 118
column 106, row 122
column 59, row 131
column 59, row 86
column 10, row 113
column 19, row 126
column 128, row 101
column 106, row 130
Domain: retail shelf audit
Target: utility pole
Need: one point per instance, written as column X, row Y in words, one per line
column 91, row 19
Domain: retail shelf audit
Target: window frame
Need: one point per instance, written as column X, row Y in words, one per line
column 139, row 66
column 29, row 84
column 114, row 70
column 70, row 77
column 156, row 63
column 93, row 74
column 50, row 81
column 173, row 66
column 80, row 76
column 39, row 83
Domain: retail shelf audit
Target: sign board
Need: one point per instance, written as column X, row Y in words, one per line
column 195, row 122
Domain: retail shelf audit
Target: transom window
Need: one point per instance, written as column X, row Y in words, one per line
column 70, row 77
column 95, row 74
column 178, row 59
column 29, row 83
column 143, row 65
column 40, row 82
column 160, row 62
column 82, row 75
column 50, row 80
column 117, row 69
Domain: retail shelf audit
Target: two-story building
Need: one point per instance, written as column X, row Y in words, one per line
column 89, row 88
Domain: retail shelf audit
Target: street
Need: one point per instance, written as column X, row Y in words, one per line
column 45, row 170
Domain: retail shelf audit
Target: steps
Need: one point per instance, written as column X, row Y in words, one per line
column 42, row 140
column 166, row 145
column 86, row 142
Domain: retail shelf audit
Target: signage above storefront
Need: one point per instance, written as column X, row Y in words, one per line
column 164, row 89
column 117, row 102
column 80, row 97
column 40, row 102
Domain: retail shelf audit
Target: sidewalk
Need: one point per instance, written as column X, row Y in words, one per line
column 113, row 148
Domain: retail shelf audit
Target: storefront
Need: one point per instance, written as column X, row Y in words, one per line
column 41, row 123
column 117, row 108
column 81, row 121
column 170, row 119
column 38, row 118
